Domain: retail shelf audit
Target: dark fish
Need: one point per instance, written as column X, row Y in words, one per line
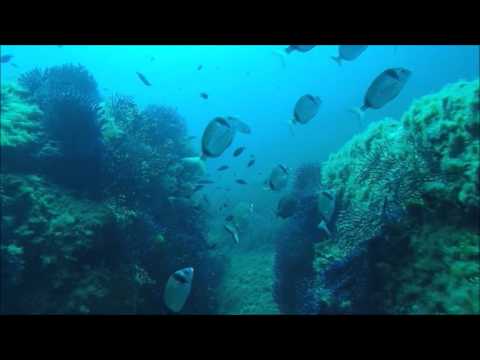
column 222, row 168
column 198, row 187
column 14, row 65
column 384, row 89
column 143, row 79
column 5, row 58
column 211, row 246
column 238, row 151
column 241, row 182
column 206, row 182
column 229, row 218
column 251, row 162
column 301, row 48
column 204, row 95
column 287, row 206
column 199, row 67
column 349, row 52
column 306, row 108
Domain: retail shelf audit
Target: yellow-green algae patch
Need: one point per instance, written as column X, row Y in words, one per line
column 19, row 118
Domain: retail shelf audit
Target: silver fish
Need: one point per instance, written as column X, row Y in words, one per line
column 178, row 289
column 383, row 89
column 233, row 231
column 306, row 108
column 349, row 52
column 278, row 178
column 217, row 137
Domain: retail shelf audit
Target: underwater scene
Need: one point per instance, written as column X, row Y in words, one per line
column 228, row 180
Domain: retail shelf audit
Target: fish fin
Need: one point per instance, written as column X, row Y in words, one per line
column 337, row 59
column 236, row 238
column 360, row 113
column 291, row 125
column 281, row 55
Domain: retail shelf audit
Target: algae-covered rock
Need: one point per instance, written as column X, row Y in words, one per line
column 52, row 232
column 21, row 131
column 395, row 181
column 442, row 274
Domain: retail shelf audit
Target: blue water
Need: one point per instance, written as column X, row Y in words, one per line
column 251, row 83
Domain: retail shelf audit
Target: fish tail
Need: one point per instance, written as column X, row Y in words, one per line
column 337, row 59
column 291, row 125
column 281, row 55
column 360, row 113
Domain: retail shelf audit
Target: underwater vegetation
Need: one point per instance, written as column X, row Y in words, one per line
column 404, row 234
column 102, row 212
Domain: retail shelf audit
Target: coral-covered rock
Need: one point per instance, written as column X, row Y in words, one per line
column 393, row 181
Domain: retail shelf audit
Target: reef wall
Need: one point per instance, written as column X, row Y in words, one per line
column 405, row 235
column 97, row 209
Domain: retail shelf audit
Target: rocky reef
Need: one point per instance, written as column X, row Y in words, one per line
column 97, row 211
column 405, row 235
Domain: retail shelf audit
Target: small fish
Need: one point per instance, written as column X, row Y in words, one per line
column 198, row 187
column 190, row 138
column 200, row 67
column 14, row 65
column 349, row 53
column 250, row 163
column 383, row 89
column 204, row 95
column 177, row 289
column 241, row 182
column 233, row 231
column 143, row 79
column 222, row 168
column 206, row 182
column 300, row 48
column 152, row 58
column 5, row 58
column 211, row 246
column 238, row 151
column 229, row 218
